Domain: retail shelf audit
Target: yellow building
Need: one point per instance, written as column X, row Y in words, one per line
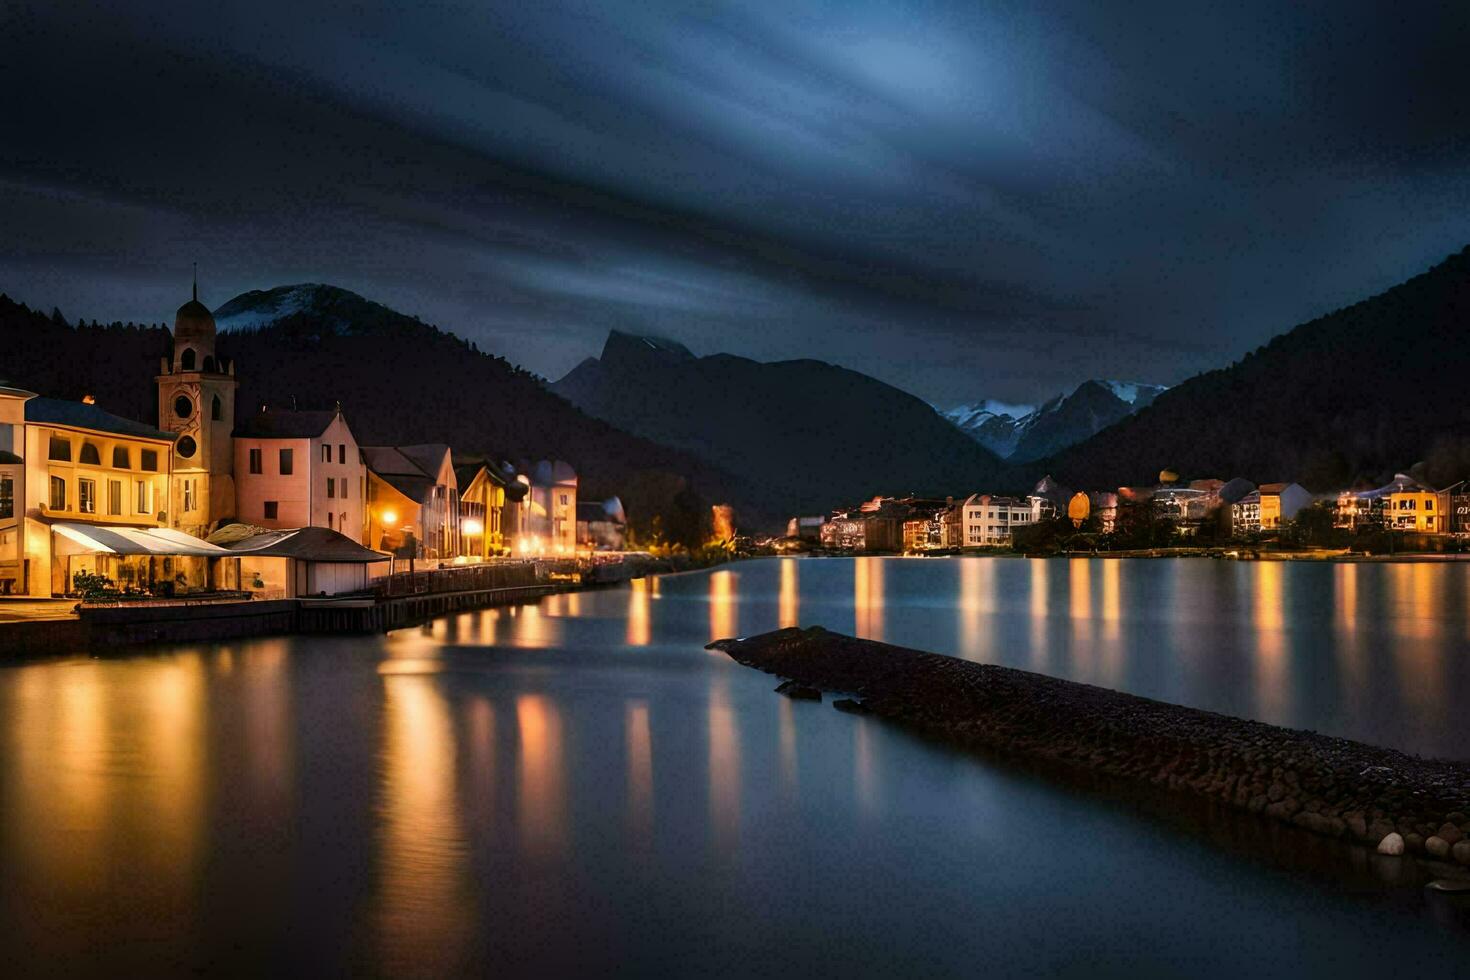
column 85, row 466
column 481, row 506
column 1417, row 508
column 12, row 488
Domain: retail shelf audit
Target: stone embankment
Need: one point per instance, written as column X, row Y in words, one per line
column 1332, row 786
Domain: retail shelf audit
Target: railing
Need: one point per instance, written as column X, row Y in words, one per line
column 458, row 578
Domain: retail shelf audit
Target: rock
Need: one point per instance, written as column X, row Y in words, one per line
column 1450, row 833
column 1461, row 851
column 1391, row 844
column 1276, row 792
column 1357, row 826
column 1457, row 817
column 1414, row 842
column 1437, row 846
column 850, row 706
column 799, row 692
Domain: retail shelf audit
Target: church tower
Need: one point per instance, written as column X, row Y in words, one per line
column 196, row 399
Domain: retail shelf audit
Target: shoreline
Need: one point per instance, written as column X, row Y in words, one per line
column 1333, row 787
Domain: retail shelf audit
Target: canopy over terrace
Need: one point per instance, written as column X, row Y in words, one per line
column 158, row 560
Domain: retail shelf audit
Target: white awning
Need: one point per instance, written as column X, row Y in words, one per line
column 92, row 539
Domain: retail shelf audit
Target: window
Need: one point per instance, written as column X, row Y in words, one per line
column 255, row 461
column 58, row 493
column 144, row 499
column 272, row 508
column 216, row 408
column 326, row 453
column 187, row 447
column 7, row 497
column 120, row 458
column 287, row 462
column 329, row 521
column 341, row 452
column 342, row 489
column 60, row 449
column 90, row 455
column 87, row 496
column 114, row 497
column 150, row 460
column 563, row 500
column 1429, row 505
column 183, row 407
column 191, row 495
column 331, row 487
column 186, row 359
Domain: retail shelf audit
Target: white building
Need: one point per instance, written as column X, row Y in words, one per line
column 988, row 520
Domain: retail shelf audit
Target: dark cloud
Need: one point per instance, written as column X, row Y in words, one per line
column 966, row 200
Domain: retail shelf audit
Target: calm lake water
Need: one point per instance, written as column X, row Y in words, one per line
column 578, row 787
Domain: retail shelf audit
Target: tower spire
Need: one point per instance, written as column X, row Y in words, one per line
column 196, row 282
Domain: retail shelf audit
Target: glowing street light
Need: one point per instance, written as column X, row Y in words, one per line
column 390, row 517
column 472, row 526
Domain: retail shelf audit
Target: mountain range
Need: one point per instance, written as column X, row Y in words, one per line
column 816, row 434
column 1021, row 433
column 398, row 380
column 1347, row 398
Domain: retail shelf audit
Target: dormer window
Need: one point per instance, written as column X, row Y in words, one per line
column 90, row 455
column 59, row 449
column 120, row 460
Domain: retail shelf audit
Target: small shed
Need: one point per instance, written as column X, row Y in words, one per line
column 307, row 561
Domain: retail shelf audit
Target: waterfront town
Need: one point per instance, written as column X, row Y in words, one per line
column 273, row 503
column 1403, row 514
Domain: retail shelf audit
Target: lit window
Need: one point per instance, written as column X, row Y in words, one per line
column 58, row 493
column 87, row 496
column 7, row 497
column 144, row 496
column 114, row 497
column 191, row 495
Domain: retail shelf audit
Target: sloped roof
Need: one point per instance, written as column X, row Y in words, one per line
column 283, row 425
column 79, row 415
column 306, row 544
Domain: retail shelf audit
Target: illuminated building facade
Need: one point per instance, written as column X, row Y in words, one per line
column 196, row 402
column 299, row 469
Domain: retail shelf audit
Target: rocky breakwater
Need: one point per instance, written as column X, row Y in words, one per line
column 1383, row 798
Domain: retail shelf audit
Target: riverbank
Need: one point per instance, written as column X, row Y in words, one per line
column 1330, row 786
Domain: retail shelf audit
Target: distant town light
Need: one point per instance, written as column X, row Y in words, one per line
column 472, row 526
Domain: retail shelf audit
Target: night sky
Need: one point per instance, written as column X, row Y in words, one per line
column 968, row 200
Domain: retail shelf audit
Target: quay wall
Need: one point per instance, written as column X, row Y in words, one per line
column 1330, row 786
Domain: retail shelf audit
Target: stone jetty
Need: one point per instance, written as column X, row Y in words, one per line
column 1337, row 787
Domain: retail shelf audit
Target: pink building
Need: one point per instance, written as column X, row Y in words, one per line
column 299, row 469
